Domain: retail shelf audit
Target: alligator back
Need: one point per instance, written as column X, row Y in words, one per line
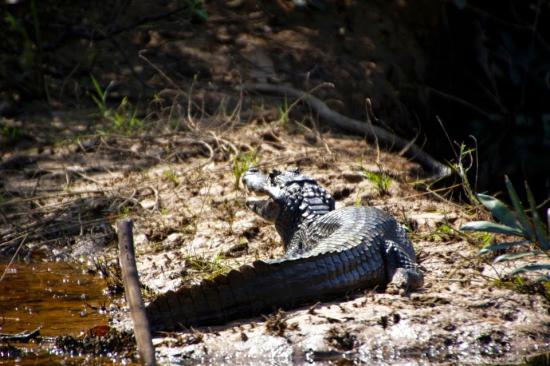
column 350, row 253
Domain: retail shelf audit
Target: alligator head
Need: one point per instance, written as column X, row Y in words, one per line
column 292, row 199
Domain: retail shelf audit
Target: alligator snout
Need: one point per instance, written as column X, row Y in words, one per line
column 254, row 180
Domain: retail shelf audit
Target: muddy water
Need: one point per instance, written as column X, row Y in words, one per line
column 54, row 296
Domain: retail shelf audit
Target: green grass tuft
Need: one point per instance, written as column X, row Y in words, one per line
column 123, row 118
column 171, row 176
column 209, row 268
column 242, row 162
column 381, row 181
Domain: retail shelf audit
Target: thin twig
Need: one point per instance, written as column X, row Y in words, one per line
column 63, row 193
column 13, row 258
column 465, row 103
column 162, row 73
column 120, row 49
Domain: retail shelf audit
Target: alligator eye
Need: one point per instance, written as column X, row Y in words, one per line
column 253, row 169
column 295, row 170
column 274, row 173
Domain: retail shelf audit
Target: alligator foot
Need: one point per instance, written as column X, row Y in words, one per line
column 403, row 281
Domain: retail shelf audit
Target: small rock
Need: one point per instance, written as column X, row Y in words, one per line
column 428, row 220
column 148, row 204
column 311, row 138
column 140, row 239
column 342, row 192
column 135, row 148
column 173, row 239
column 353, row 177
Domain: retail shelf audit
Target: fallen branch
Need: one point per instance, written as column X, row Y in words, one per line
column 132, row 290
column 21, row 336
column 385, row 138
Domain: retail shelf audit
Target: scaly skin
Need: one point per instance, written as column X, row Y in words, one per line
column 327, row 253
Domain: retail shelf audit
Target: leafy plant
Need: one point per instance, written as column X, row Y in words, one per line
column 381, row 180
column 124, row 117
column 514, row 222
column 241, row 162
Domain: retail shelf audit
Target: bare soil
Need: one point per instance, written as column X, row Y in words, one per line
column 191, row 223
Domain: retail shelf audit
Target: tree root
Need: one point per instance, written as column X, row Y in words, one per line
column 371, row 132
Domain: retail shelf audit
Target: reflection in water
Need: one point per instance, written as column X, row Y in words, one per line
column 54, row 296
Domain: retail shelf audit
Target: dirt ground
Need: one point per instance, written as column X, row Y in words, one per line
column 67, row 179
column 191, row 223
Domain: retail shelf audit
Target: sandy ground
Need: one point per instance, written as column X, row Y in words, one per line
column 191, row 223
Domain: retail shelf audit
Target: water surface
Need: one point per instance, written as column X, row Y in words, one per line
column 58, row 297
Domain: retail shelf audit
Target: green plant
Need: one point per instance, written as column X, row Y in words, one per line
column 284, row 111
column 123, row 118
column 380, row 179
column 514, row 223
column 241, row 162
column 520, row 284
column 196, row 9
column 11, row 134
column 28, row 54
column 462, row 171
column 210, row 268
column 442, row 232
column 171, row 176
column 124, row 211
column 100, row 97
column 22, row 48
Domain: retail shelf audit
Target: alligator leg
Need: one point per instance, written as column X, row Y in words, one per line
column 403, row 272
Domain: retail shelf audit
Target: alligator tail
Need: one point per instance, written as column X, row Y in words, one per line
column 265, row 286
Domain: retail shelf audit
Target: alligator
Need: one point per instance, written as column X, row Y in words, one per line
column 328, row 252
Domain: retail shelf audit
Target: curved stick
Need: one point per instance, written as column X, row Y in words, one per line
column 370, row 131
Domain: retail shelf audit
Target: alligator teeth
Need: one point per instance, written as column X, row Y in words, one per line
column 254, row 201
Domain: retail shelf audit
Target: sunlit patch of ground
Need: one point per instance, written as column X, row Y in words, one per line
column 180, row 188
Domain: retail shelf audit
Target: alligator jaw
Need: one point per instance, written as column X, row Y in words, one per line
column 257, row 185
column 267, row 209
